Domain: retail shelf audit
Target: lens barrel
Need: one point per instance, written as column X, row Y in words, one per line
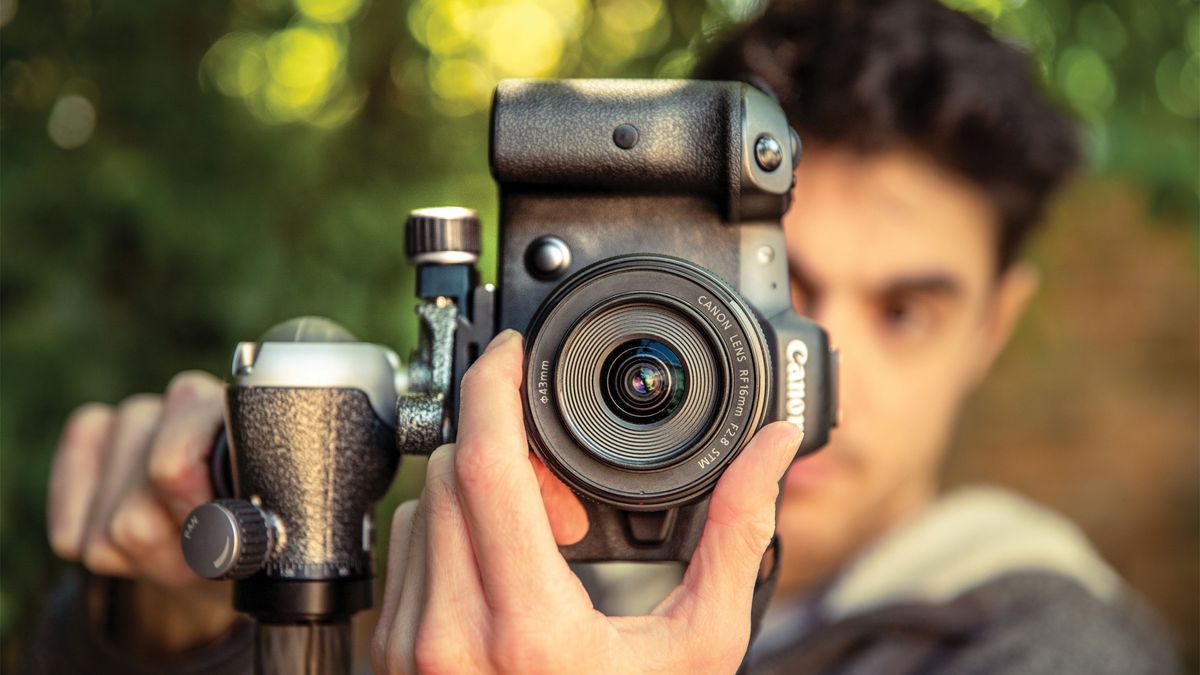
column 645, row 377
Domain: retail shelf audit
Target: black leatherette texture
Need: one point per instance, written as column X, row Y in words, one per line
column 318, row 459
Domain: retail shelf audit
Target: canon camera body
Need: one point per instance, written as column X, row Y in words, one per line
column 642, row 256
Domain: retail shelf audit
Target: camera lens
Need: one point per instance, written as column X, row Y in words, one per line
column 638, row 381
column 645, row 376
column 643, row 381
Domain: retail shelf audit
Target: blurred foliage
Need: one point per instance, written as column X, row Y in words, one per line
column 1130, row 70
column 178, row 176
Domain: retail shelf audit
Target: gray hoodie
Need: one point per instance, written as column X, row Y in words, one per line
column 982, row 581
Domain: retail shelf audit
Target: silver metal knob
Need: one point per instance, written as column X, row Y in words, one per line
column 227, row 539
column 447, row 235
column 768, row 153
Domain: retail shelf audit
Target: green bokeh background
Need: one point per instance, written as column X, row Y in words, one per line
column 175, row 177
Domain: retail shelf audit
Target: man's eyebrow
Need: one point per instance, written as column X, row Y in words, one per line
column 935, row 283
column 929, row 283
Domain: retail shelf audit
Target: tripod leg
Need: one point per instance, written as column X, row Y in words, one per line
column 302, row 648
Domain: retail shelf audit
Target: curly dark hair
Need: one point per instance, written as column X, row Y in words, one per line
column 870, row 75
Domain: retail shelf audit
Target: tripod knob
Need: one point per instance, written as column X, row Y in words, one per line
column 446, row 235
column 227, row 539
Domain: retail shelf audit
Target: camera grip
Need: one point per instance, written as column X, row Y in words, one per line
column 644, row 536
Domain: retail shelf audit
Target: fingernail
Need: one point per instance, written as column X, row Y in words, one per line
column 791, row 443
column 505, row 336
column 795, row 435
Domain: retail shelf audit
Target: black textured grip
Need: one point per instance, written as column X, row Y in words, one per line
column 441, row 229
column 318, row 459
column 806, row 394
column 561, row 134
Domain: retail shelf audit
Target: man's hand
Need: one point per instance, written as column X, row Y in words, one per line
column 475, row 581
column 122, row 482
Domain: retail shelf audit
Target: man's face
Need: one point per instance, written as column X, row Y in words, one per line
column 895, row 258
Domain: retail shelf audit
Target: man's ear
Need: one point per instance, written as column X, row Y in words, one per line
column 1014, row 288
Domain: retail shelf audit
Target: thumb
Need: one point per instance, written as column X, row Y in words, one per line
column 741, row 521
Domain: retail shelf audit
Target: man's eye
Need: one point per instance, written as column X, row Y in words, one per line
column 897, row 313
column 905, row 316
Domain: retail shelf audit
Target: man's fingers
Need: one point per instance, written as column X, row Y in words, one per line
column 148, row 537
column 398, row 550
column 454, row 579
column 136, row 420
column 454, row 604
column 741, row 522
column 193, row 411
column 398, row 654
column 568, row 518
column 74, row 477
column 510, row 532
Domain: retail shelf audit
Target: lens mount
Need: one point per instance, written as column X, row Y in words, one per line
column 645, row 376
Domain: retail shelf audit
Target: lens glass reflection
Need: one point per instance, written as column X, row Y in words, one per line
column 642, row 381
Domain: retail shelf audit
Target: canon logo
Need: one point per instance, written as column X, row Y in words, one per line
column 797, row 358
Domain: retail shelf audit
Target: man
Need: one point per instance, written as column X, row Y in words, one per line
column 929, row 157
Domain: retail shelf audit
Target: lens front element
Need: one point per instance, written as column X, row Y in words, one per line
column 643, row 381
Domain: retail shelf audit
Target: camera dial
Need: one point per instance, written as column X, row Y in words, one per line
column 228, row 539
column 443, row 235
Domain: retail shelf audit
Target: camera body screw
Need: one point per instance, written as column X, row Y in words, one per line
column 768, row 153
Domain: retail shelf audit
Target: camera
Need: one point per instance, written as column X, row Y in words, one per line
column 643, row 258
column 641, row 254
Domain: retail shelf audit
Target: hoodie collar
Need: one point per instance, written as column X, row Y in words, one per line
column 963, row 540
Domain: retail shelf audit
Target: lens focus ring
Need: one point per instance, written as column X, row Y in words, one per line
column 626, row 432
